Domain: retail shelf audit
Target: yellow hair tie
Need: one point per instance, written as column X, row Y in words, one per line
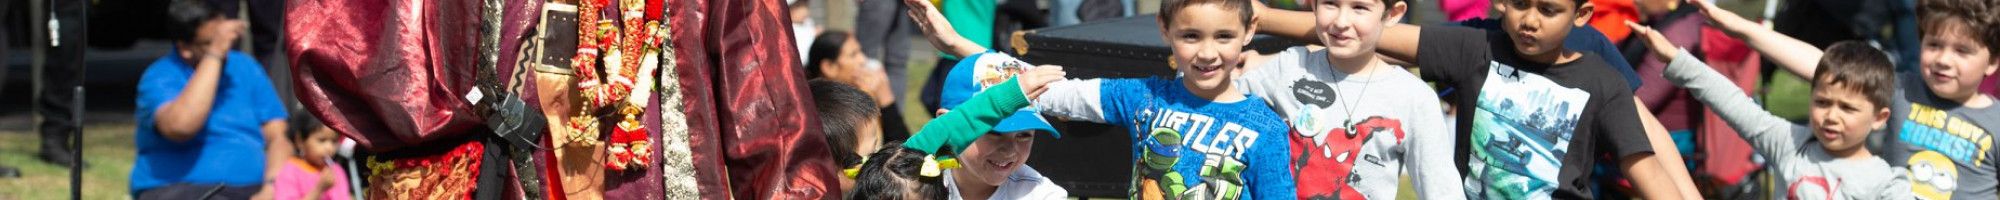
column 934, row 167
column 930, row 168
column 853, row 171
column 948, row 163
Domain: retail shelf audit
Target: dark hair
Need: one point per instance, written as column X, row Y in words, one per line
column 301, row 125
column 1856, row 65
column 1168, row 8
column 893, row 172
column 1976, row 17
column 825, row 47
column 841, row 108
column 185, row 17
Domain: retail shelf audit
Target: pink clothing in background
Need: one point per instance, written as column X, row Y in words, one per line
column 299, row 178
column 1992, row 85
column 1461, row 10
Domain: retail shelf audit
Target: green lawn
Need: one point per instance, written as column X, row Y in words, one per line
column 108, row 154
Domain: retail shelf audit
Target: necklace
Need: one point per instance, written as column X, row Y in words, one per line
column 1351, row 105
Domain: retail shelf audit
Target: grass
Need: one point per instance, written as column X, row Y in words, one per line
column 108, row 152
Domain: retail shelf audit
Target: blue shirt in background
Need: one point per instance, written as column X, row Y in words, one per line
column 230, row 147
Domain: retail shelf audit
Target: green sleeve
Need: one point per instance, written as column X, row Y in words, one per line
column 965, row 123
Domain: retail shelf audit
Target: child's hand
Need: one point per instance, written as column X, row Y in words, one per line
column 326, row 179
column 1718, row 16
column 941, row 34
column 1033, row 81
column 931, row 22
column 1662, row 50
column 927, row 17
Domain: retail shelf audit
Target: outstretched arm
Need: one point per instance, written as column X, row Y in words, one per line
column 1399, row 41
column 964, row 124
column 1771, row 136
column 1796, row 56
column 939, row 31
column 1289, row 24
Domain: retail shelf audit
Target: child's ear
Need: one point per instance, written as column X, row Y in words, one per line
column 1881, row 118
column 1395, row 13
column 1250, row 30
column 1992, row 64
column 1583, row 13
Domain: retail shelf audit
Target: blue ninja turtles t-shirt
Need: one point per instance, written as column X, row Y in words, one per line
column 1184, row 146
column 1187, row 147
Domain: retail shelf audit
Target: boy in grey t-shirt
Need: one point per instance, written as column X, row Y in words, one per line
column 1358, row 123
column 1356, row 134
column 1942, row 129
column 1829, row 159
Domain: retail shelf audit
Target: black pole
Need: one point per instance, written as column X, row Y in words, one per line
column 76, row 141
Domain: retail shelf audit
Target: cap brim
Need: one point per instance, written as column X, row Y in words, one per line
column 1026, row 120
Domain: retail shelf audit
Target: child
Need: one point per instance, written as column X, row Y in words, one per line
column 1946, row 141
column 1942, row 127
column 312, row 174
column 897, row 174
column 836, row 56
column 1345, row 105
column 910, row 170
column 995, row 164
column 1196, row 136
column 1828, row 160
column 848, row 117
column 994, row 161
column 1537, row 114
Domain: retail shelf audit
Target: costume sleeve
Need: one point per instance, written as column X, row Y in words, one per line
column 768, row 132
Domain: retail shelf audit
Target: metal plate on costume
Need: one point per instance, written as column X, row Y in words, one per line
column 558, row 35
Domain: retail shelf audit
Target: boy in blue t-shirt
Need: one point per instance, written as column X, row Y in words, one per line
column 1196, row 136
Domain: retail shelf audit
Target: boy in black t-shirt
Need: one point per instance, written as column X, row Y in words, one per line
column 1533, row 115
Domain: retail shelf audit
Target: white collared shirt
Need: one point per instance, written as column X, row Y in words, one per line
column 1024, row 183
